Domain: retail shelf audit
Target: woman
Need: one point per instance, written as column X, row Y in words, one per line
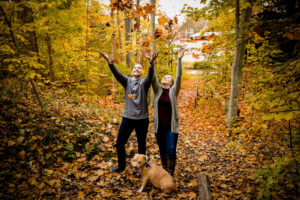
column 166, row 125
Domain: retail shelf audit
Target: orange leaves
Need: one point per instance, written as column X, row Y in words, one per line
column 211, row 37
column 196, row 56
column 176, row 20
column 120, row 4
column 116, row 44
column 146, row 42
column 116, row 60
column 157, row 33
column 207, row 48
column 148, row 9
column 136, row 27
column 162, row 20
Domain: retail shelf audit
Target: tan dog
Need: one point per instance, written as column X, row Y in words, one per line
column 155, row 174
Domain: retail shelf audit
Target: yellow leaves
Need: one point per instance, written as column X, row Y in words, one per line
column 279, row 116
column 11, row 143
column 93, row 178
column 51, row 182
column 193, row 183
column 32, row 181
column 18, row 175
column 190, row 195
column 48, row 172
column 41, row 185
column 22, row 154
column 99, row 172
column 5, row 49
column 20, row 139
column 81, row 195
column 202, row 158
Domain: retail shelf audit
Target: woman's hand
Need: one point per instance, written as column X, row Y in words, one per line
column 147, row 55
column 106, row 57
column 180, row 53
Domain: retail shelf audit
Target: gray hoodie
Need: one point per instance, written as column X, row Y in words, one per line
column 136, row 106
column 173, row 93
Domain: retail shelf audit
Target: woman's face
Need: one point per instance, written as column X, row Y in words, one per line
column 167, row 80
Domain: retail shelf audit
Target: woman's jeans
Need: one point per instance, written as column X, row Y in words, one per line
column 167, row 141
column 127, row 126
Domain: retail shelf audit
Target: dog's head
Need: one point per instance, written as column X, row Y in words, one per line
column 138, row 161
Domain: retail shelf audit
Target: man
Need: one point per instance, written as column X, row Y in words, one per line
column 136, row 114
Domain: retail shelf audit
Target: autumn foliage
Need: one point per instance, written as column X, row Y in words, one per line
column 61, row 107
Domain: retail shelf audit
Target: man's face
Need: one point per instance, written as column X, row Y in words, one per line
column 137, row 70
column 167, row 80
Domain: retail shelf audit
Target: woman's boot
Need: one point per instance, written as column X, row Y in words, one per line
column 171, row 166
column 164, row 161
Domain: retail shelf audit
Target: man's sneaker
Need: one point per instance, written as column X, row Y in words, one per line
column 117, row 169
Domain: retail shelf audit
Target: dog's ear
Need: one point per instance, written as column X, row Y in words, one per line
column 145, row 158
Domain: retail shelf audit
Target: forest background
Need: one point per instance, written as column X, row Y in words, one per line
column 60, row 105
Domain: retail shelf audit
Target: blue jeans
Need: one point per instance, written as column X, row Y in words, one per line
column 125, row 130
column 167, row 141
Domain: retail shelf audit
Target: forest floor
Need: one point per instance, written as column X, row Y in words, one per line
column 67, row 151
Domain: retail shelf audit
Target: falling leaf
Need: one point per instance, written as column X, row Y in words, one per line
column 116, row 60
column 162, row 20
column 136, row 26
column 148, row 8
column 176, row 20
column 116, row 44
column 195, row 56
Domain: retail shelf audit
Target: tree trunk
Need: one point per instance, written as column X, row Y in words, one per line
column 25, row 14
column 203, row 187
column 153, row 45
column 50, row 55
column 236, row 71
column 113, row 80
column 137, row 21
column 37, row 94
column 128, row 22
column 120, row 37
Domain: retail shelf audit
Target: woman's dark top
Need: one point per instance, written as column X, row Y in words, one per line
column 164, row 108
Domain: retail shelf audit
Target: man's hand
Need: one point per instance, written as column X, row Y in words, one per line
column 106, row 57
column 180, row 53
column 147, row 55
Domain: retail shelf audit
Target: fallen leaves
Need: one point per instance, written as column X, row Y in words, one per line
column 73, row 160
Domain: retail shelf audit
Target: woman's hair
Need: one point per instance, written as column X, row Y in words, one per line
column 171, row 77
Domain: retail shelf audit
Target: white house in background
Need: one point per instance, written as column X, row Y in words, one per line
column 189, row 32
column 194, row 47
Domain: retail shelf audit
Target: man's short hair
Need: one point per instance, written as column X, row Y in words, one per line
column 137, row 64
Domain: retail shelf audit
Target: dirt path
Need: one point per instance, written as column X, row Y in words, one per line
column 66, row 153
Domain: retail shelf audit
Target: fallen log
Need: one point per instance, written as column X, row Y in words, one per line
column 203, row 187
